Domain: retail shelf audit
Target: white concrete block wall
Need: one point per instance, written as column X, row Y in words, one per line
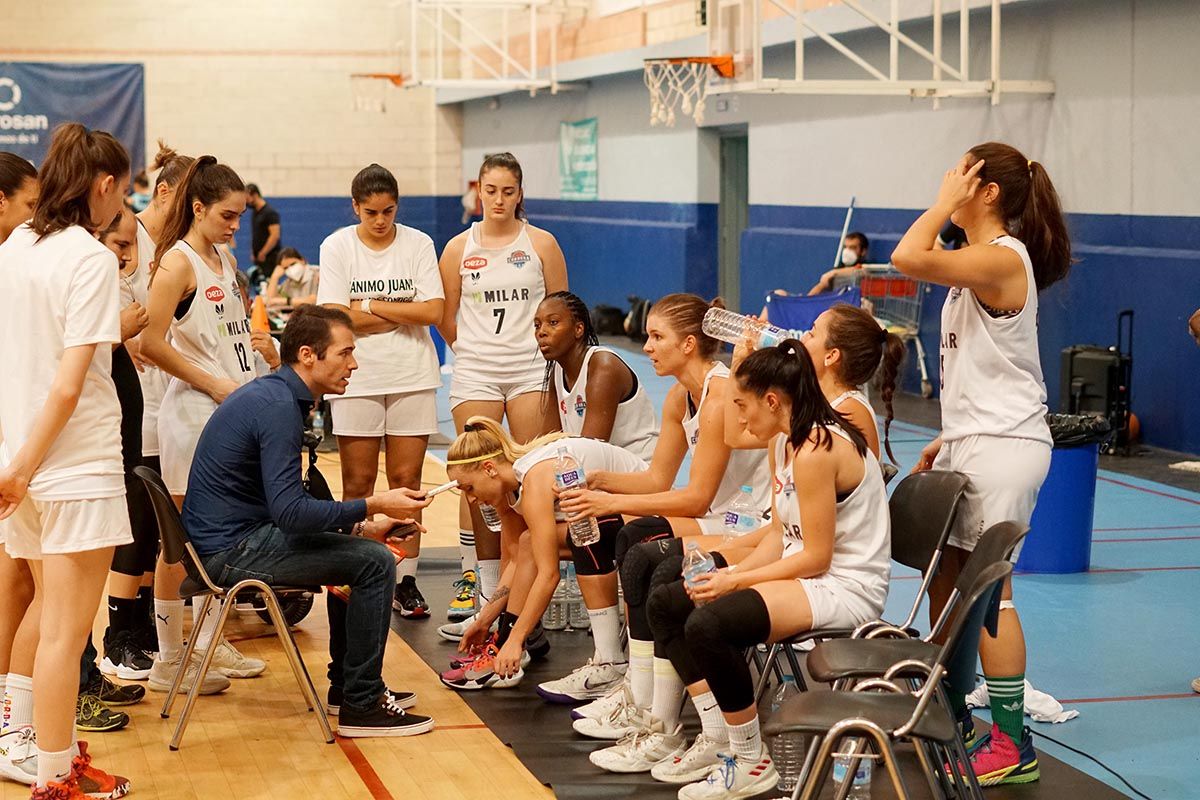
column 262, row 85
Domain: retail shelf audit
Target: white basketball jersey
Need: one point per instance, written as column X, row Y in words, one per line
column 591, row 454
column 855, row 394
column 862, row 536
column 214, row 333
column 634, row 428
column 153, row 380
column 745, row 467
column 991, row 372
column 501, row 289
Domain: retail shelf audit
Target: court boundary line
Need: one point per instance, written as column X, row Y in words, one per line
column 362, row 765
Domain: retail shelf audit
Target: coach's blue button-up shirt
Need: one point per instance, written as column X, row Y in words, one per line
column 247, row 469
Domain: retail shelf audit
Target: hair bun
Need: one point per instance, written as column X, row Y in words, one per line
column 717, row 302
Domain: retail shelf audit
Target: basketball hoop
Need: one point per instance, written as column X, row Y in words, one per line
column 371, row 90
column 682, row 82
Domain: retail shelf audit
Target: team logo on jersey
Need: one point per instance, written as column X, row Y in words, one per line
column 519, row 258
column 580, row 405
column 955, row 293
column 474, row 262
column 695, row 437
column 215, row 293
column 562, row 406
column 778, row 485
column 220, row 307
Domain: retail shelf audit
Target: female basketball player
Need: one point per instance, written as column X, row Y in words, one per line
column 386, row 276
column 194, row 297
column 495, row 273
column 824, row 563
column 598, row 395
column 18, row 192
column 60, row 484
column 993, row 396
column 519, row 482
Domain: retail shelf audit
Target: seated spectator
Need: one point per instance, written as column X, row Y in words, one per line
column 247, row 513
column 293, row 283
column 854, row 255
column 139, row 197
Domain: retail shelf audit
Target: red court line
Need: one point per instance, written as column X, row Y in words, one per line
column 1132, row 697
column 1150, row 491
column 1150, row 539
column 1149, row 528
column 362, row 766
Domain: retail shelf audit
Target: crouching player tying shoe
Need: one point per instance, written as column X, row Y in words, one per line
column 824, row 566
column 519, row 482
column 248, row 514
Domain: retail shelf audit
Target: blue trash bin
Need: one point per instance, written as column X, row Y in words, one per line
column 1060, row 536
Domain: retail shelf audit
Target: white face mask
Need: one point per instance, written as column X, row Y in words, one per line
column 295, row 272
column 849, row 256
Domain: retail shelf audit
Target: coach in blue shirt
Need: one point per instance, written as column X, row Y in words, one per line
column 248, row 514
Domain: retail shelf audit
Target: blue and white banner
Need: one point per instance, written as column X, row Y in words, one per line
column 577, row 167
column 37, row 97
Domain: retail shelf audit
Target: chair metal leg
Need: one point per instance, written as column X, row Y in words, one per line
column 764, row 675
column 218, row 631
column 187, row 660
column 789, row 653
column 811, row 789
column 935, row 780
column 961, row 764
column 889, row 761
column 307, row 690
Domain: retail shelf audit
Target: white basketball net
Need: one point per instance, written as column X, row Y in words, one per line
column 682, row 83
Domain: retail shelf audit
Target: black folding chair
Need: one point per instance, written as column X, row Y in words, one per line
column 885, row 712
column 177, row 547
column 922, row 509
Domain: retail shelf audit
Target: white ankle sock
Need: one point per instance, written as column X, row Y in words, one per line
column 489, row 578
column 668, row 694
column 641, row 672
column 606, row 635
column 745, row 740
column 168, row 622
column 54, row 766
column 466, row 549
column 711, row 720
column 407, row 567
column 18, row 702
column 202, row 629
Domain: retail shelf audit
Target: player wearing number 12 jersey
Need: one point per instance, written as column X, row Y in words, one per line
column 495, row 274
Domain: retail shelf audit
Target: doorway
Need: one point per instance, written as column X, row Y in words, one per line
column 733, row 213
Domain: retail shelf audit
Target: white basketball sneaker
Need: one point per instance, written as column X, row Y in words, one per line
column 640, row 750
column 600, row 709
column 589, row 682
column 693, row 765
column 620, row 722
column 734, row 778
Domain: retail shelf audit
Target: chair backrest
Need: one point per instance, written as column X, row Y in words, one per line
column 922, row 508
column 798, row 312
column 176, row 546
column 979, row 608
column 996, row 544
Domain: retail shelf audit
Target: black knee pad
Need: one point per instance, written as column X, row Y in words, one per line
column 668, row 608
column 640, row 530
column 669, row 569
column 641, row 562
column 598, row 558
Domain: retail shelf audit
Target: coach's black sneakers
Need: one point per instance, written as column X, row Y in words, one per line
column 333, row 703
column 408, row 599
column 124, row 657
column 385, row 719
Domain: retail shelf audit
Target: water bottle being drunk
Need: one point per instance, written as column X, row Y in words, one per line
column 569, row 475
column 491, row 517
column 730, row 326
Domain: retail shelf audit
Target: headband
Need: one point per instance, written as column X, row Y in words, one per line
column 483, row 457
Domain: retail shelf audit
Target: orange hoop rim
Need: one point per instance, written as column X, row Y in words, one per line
column 722, row 64
column 395, row 78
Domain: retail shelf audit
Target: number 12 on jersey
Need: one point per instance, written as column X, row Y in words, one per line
column 243, row 357
column 498, row 313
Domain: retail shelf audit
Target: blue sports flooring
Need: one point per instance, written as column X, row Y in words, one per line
column 1120, row 643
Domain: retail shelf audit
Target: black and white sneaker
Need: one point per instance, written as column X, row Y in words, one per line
column 385, row 719
column 333, row 705
column 408, row 599
column 124, row 659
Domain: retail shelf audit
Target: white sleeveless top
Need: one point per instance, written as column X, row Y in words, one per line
column 745, row 467
column 501, row 289
column 214, row 334
column 862, row 536
column 634, row 428
column 855, row 394
column 992, row 381
column 592, row 455
column 153, row 380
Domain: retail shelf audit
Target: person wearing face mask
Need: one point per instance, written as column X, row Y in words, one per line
column 854, row 255
column 293, row 283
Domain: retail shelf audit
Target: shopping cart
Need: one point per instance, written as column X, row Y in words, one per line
column 895, row 301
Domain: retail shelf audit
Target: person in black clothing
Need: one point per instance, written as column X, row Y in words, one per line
column 265, row 236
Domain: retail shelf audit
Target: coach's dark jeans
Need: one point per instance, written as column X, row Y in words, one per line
column 332, row 559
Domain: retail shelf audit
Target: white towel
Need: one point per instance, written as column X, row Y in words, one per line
column 1040, row 706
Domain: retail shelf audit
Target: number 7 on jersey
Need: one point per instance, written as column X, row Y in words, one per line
column 498, row 313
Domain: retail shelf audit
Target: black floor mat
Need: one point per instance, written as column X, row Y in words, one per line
column 540, row 733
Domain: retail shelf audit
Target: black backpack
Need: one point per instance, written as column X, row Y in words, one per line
column 635, row 320
column 608, row 320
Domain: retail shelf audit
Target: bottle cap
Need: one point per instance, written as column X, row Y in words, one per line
column 747, row 489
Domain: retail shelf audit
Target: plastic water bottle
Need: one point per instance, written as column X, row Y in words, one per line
column 491, row 517
column 742, row 516
column 861, row 787
column 569, row 475
column 576, row 611
column 787, row 749
column 555, row 618
column 696, row 562
column 730, row 326
column 319, row 421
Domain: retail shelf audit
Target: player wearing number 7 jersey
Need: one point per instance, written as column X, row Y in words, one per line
column 495, row 274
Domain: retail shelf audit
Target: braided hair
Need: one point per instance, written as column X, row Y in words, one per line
column 580, row 315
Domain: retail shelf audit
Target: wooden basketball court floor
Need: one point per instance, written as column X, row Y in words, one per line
column 256, row 740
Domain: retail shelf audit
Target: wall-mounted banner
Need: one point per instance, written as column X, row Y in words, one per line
column 37, row 97
column 577, row 160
